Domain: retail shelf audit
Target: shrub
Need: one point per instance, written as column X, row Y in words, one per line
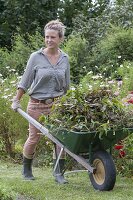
column 21, row 50
column 77, row 55
column 126, row 72
column 14, row 128
column 112, row 51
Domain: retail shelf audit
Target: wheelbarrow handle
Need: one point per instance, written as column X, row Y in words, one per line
column 33, row 121
column 39, row 126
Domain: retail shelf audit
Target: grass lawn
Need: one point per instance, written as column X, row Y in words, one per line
column 13, row 187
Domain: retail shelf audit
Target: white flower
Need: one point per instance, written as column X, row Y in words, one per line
column 90, row 86
column 119, row 56
column 5, row 97
column 90, row 72
column 12, row 81
column 9, row 95
column 14, row 85
column 111, row 82
column 19, row 77
column 101, row 85
column 84, row 67
column 72, row 88
column 7, row 89
column 2, row 81
column 97, row 76
column 13, row 70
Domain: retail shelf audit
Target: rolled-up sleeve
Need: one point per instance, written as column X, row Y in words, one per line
column 28, row 75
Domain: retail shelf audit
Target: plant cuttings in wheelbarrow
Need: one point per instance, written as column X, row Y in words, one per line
column 96, row 110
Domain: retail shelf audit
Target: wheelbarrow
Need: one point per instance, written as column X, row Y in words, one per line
column 92, row 152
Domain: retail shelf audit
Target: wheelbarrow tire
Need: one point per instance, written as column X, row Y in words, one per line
column 104, row 176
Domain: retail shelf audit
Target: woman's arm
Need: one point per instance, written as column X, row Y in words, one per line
column 19, row 94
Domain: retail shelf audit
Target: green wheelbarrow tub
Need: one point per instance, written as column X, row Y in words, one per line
column 81, row 142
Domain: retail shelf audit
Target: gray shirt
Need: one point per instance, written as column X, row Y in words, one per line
column 43, row 79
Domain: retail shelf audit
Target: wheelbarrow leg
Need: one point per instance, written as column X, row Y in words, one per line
column 58, row 171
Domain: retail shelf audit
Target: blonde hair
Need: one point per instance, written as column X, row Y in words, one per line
column 56, row 25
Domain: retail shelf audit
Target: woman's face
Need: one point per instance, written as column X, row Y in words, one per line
column 52, row 39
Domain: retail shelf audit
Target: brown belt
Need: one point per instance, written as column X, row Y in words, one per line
column 45, row 101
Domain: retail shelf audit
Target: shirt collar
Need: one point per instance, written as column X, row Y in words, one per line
column 40, row 51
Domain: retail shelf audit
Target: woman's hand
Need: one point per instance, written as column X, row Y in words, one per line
column 15, row 104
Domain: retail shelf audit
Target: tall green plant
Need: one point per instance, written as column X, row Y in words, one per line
column 12, row 126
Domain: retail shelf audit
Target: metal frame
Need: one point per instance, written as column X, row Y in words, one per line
column 46, row 132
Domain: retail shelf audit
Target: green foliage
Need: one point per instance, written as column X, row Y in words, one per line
column 92, row 109
column 6, row 193
column 112, row 51
column 92, row 29
column 27, row 15
column 44, row 152
column 69, row 10
column 122, row 14
column 15, row 60
column 77, row 56
column 95, row 24
column 12, row 126
column 126, row 71
column 118, row 41
column 124, row 164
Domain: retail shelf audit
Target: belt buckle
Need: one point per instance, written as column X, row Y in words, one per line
column 48, row 101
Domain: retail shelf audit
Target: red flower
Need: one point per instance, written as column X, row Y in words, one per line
column 122, row 154
column 118, row 146
column 130, row 100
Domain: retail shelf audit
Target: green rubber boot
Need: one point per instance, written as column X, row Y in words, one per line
column 59, row 177
column 27, row 169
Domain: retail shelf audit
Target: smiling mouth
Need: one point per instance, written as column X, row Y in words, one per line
column 49, row 44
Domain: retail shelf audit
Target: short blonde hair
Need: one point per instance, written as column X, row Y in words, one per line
column 56, row 25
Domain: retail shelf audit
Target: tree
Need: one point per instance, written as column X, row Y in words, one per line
column 27, row 15
column 70, row 10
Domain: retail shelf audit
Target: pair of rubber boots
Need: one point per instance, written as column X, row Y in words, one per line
column 27, row 170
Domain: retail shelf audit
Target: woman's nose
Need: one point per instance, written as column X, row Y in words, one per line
column 49, row 39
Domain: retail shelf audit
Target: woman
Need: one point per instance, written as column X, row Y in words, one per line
column 47, row 76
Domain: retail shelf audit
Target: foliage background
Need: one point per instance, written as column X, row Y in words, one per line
column 99, row 39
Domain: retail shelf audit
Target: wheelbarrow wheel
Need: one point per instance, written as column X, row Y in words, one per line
column 104, row 175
